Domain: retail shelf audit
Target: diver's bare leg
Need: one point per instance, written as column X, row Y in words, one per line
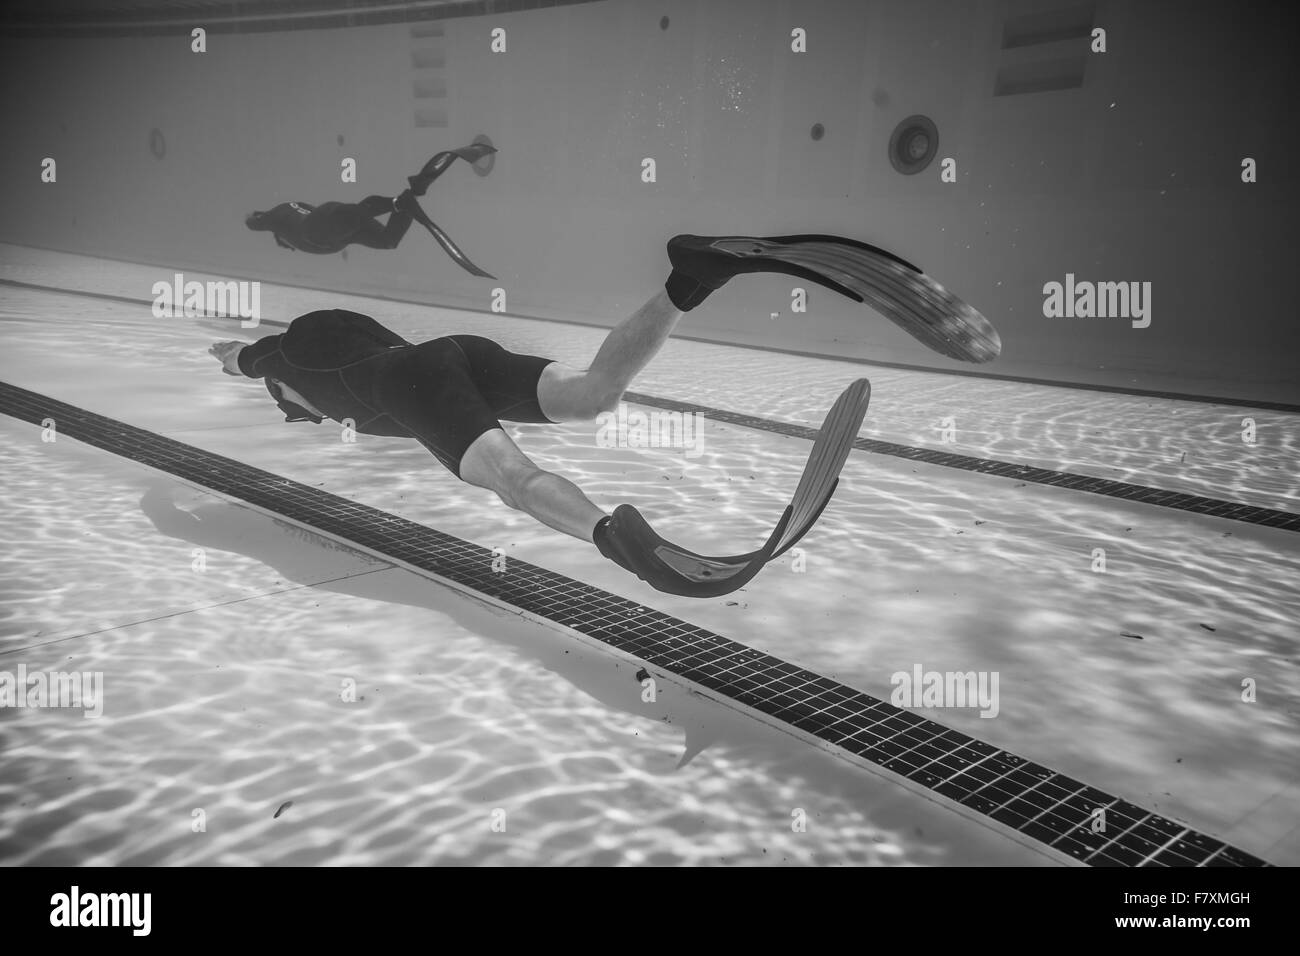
column 493, row 461
column 569, row 394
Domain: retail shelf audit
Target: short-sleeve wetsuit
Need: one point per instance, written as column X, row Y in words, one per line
column 445, row 392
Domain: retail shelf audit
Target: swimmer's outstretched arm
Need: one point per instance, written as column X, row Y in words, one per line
column 495, row 462
column 227, row 353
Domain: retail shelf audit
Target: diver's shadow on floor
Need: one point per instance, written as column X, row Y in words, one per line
column 304, row 558
column 295, row 554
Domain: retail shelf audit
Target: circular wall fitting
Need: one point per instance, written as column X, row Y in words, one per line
column 157, row 144
column 484, row 165
column 913, row 145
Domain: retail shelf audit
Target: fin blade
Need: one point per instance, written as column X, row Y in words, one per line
column 892, row 286
column 441, row 162
column 796, row 533
column 829, row 453
column 750, row 247
column 448, row 246
column 696, row 575
column 911, row 300
column 843, row 242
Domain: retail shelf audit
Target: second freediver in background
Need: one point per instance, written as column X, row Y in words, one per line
column 333, row 226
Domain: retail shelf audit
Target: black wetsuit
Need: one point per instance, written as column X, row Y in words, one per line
column 445, row 392
column 333, row 226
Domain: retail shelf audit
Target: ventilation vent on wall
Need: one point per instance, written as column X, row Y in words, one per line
column 430, row 88
column 1048, row 26
column 428, row 75
column 1049, row 50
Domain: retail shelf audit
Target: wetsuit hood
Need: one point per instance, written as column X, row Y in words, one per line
column 326, row 341
column 331, row 340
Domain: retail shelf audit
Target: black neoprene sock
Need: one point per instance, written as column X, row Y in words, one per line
column 686, row 293
column 698, row 269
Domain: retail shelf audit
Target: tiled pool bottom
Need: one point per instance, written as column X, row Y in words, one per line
column 1030, row 800
column 224, row 696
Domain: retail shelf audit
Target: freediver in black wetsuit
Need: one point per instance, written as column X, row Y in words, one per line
column 452, row 393
column 333, row 226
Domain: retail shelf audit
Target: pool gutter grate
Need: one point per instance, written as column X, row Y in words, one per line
column 1039, row 806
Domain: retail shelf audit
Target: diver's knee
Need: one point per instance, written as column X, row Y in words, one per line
column 609, row 400
column 598, row 398
column 568, row 394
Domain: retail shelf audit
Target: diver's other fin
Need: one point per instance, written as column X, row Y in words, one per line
column 633, row 544
column 443, row 239
column 864, row 273
column 821, row 474
column 452, row 250
column 475, row 151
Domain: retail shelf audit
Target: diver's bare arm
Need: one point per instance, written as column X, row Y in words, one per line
column 227, row 353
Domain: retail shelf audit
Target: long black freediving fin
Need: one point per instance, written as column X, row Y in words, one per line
column 440, row 162
column 630, row 542
column 864, row 273
column 822, row 473
column 627, row 538
column 444, row 240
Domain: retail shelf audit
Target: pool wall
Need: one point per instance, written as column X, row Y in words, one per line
column 1118, row 166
